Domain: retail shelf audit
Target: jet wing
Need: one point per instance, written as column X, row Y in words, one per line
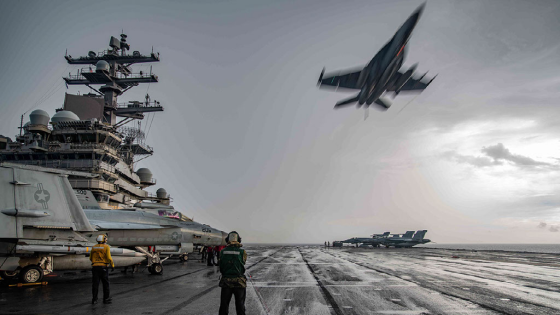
column 104, row 225
column 411, row 85
column 345, row 79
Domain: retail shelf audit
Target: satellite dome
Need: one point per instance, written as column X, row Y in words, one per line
column 161, row 193
column 144, row 174
column 64, row 115
column 39, row 117
column 102, row 65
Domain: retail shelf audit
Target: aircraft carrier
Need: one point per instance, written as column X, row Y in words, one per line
column 95, row 144
column 318, row 280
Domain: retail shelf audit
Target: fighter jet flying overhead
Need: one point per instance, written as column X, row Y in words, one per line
column 381, row 74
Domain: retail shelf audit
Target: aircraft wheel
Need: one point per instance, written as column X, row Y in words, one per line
column 183, row 258
column 156, row 269
column 9, row 275
column 31, row 274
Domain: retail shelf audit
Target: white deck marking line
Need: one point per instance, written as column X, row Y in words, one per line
column 287, row 300
column 504, row 299
column 347, row 307
column 396, row 300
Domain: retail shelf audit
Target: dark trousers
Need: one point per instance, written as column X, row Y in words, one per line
column 100, row 274
column 225, row 298
column 210, row 259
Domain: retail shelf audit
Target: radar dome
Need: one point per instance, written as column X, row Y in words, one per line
column 25, row 130
column 144, row 174
column 102, row 65
column 64, row 115
column 161, row 193
column 39, row 117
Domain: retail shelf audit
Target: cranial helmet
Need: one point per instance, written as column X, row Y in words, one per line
column 233, row 236
column 102, row 238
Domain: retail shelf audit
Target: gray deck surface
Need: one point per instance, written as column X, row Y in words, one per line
column 315, row 280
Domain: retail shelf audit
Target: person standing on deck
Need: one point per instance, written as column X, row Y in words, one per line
column 210, row 256
column 100, row 260
column 233, row 281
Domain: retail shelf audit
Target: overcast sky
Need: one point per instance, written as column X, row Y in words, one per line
column 247, row 142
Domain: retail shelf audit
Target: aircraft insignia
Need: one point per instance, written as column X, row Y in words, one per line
column 42, row 196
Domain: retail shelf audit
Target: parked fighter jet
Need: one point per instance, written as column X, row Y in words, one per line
column 406, row 240
column 382, row 73
column 183, row 234
column 43, row 227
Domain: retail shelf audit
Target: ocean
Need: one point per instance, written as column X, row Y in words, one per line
column 532, row 248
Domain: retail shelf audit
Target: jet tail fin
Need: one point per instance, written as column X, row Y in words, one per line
column 346, row 102
column 408, row 234
column 419, row 235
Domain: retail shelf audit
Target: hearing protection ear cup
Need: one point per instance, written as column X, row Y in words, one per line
column 238, row 237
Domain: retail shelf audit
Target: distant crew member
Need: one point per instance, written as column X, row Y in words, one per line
column 328, row 244
column 203, row 254
column 218, row 251
column 100, row 260
column 210, row 256
column 325, row 244
column 233, row 281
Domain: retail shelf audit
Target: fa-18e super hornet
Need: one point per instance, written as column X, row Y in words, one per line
column 406, row 240
column 382, row 73
column 43, row 227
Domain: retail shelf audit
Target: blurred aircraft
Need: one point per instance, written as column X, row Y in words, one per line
column 406, row 240
column 382, row 73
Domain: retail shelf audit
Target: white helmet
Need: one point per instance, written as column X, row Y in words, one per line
column 102, row 238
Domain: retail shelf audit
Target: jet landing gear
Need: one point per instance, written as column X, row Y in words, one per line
column 34, row 273
column 154, row 261
column 183, row 257
column 9, row 275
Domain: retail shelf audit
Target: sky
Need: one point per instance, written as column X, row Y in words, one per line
column 247, row 142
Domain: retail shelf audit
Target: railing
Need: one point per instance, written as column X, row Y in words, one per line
column 92, row 184
column 93, row 146
column 142, row 75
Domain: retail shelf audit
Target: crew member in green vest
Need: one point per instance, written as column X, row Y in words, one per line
column 233, row 281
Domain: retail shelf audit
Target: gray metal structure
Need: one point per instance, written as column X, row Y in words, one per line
column 381, row 74
column 86, row 141
column 408, row 239
column 43, row 227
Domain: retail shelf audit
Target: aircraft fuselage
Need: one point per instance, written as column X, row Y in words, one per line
column 386, row 63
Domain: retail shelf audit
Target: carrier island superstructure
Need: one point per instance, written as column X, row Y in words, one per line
column 97, row 142
column 86, row 134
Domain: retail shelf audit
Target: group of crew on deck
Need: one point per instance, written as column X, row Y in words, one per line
column 211, row 254
column 231, row 259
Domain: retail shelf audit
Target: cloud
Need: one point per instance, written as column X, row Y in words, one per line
column 551, row 228
column 499, row 152
column 496, row 155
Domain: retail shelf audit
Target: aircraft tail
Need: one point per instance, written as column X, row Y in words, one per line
column 385, row 234
column 419, row 235
column 346, row 102
column 44, row 199
column 408, row 234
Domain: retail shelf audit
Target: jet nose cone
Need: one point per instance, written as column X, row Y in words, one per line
column 419, row 10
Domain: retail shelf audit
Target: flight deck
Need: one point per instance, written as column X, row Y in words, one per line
column 319, row 280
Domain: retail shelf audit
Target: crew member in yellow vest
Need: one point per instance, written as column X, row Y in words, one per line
column 100, row 260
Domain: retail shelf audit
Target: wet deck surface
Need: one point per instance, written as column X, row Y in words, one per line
column 314, row 280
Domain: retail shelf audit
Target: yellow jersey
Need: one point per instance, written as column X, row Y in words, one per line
column 101, row 256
